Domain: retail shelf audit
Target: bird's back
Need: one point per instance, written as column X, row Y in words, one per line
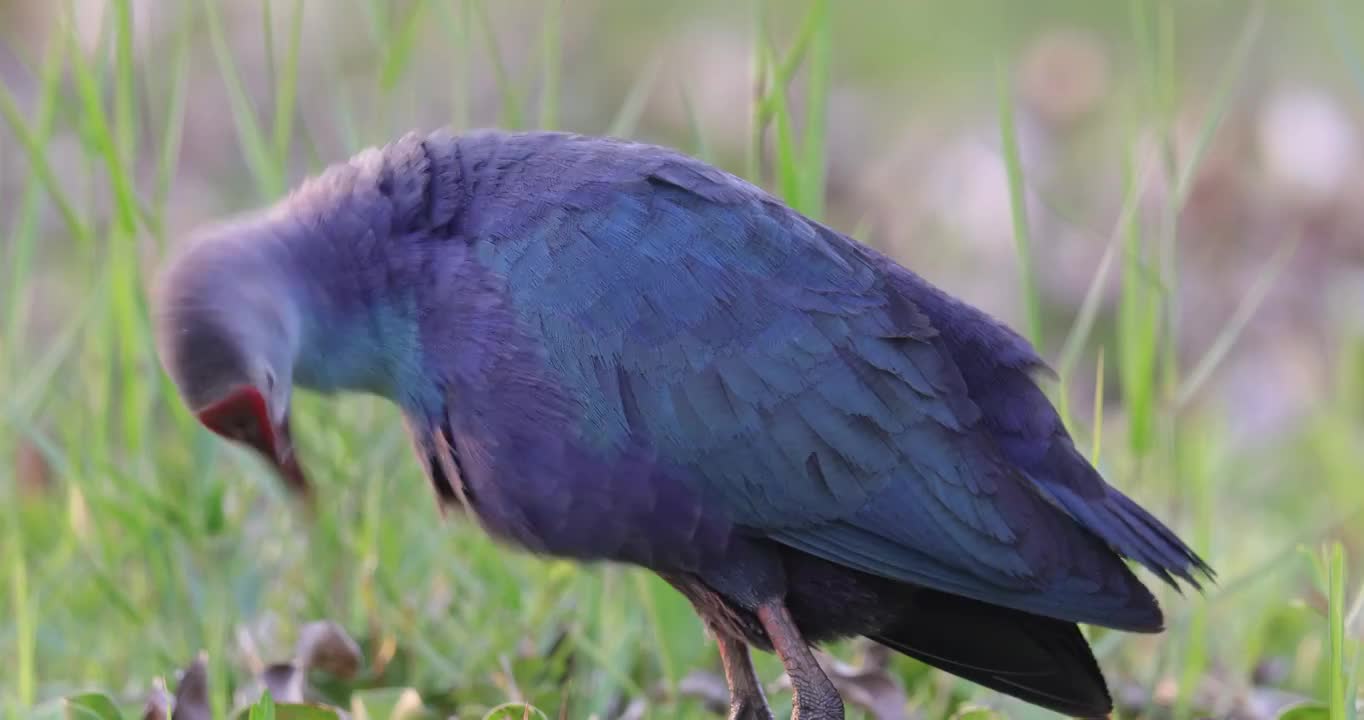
column 806, row 387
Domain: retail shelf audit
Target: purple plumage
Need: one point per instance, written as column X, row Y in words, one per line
column 611, row 351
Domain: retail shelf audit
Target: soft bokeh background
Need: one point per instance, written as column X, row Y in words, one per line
column 1187, row 190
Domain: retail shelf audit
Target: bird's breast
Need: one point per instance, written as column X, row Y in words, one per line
column 550, row 493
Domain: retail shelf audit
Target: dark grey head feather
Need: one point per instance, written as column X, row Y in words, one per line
column 224, row 313
column 300, row 287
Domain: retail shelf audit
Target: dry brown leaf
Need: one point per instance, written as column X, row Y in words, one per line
column 32, row 472
column 322, row 644
column 158, row 702
column 1264, row 703
column 284, row 681
column 326, row 646
column 191, row 693
column 869, row 686
column 637, row 710
column 708, row 687
column 408, row 704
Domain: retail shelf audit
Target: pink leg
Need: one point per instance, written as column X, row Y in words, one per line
column 746, row 701
column 816, row 697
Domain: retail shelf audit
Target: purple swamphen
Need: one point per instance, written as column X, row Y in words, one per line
column 612, row 351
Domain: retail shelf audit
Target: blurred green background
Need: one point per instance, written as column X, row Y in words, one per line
column 1167, row 196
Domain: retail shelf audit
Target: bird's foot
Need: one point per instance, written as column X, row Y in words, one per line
column 816, row 697
column 824, row 707
column 749, row 708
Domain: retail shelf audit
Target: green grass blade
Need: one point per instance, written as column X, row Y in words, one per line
column 1018, row 200
column 1166, row 69
column 41, row 371
column 660, row 639
column 757, row 123
column 816, row 22
column 1167, row 82
column 1339, row 702
column 1138, row 325
column 99, row 54
column 267, row 27
column 263, row 709
column 268, row 178
column 1156, row 39
column 133, row 343
column 465, row 92
column 347, row 124
column 786, row 162
column 1240, row 319
column 168, row 155
column 1229, row 79
column 511, row 100
column 463, row 76
column 627, row 117
column 286, row 86
column 1096, row 442
column 35, row 151
column 24, row 232
column 102, row 137
column 1338, row 28
column 108, row 143
column 699, row 146
column 1193, row 469
column 21, row 615
column 551, row 42
column 376, row 15
column 1083, row 326
column 92, row 706
column 398, row 48
column 125, row 103
column 813, row 160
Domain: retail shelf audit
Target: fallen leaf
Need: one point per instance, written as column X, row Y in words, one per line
column 1307, row 711
column 158, row 702
column 386, row 704
column 636, row 710
column 1264, row 703
column 708, row 687
column 284, row 681
column 32, row 472
column 326, row 646
column 92, row 706
column 306, row 711
column 191, row 693
column 515, row 711
column 975, row 712
column 263, row 709
column 870, row 686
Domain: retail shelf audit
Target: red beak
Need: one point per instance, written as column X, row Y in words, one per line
column 243, row 416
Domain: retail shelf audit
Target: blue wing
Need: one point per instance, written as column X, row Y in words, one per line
column 793, row 376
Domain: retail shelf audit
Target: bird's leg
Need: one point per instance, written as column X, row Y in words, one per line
column 746, row 701
column 816, row 697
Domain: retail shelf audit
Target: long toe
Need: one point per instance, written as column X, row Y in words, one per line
column 749, row 709
column 818, row 707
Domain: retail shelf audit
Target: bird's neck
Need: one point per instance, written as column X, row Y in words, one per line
column 357, row 325
column 369, row 348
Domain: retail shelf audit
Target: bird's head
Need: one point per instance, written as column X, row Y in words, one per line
column 227, row 336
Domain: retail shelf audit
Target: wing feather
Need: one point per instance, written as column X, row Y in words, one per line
column 800, row 390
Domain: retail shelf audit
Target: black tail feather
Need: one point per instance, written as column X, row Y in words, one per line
column 1127, row 527
column 1040, row 660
